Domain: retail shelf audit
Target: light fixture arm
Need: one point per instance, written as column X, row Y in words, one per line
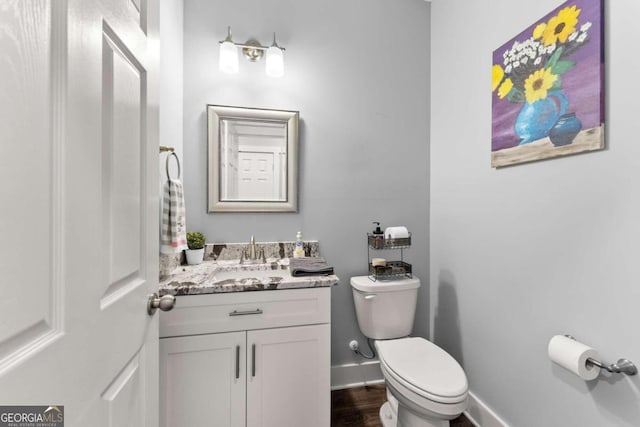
column 248, row 43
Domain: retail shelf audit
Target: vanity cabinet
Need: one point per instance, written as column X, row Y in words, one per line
column 254, row 359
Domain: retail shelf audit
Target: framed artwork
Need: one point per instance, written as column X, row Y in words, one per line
column 548, row 87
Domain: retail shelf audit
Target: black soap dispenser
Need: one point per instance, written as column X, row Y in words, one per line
column 376, row 240
column 377, row 230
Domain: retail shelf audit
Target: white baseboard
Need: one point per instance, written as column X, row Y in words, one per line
column 356, row 375
column 481, row 415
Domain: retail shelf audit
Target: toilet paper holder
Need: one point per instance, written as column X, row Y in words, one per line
column 622, row 366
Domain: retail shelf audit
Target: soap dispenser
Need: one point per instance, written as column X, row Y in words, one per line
column 377, row 236
column 298, row 251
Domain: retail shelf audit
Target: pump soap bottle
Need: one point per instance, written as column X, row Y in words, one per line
column 298, row 251
column 377, row 236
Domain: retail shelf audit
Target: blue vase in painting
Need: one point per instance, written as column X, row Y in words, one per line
column 565, row 130
column 536, row 120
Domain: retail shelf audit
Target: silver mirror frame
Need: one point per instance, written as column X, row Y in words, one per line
column 216, row 113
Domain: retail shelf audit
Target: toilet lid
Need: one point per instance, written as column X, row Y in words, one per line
column 424, row 365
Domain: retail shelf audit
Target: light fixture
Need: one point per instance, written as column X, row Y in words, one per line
column 253, row 51
column 275, row 60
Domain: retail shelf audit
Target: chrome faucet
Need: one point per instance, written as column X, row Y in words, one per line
column 252, row 254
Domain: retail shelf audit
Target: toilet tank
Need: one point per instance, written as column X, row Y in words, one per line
column 385, row 308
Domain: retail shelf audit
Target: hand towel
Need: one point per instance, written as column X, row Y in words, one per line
column 310, row 266
column 173, row 231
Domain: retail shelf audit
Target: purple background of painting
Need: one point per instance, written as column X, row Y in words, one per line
column 582, row 84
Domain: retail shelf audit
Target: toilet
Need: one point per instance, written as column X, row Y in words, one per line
column 426, row 387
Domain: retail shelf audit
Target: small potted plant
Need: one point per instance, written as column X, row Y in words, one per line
column 195, row 242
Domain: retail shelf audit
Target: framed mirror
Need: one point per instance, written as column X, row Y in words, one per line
column 253, row 155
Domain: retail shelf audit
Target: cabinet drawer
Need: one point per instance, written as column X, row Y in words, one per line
column 211, row 313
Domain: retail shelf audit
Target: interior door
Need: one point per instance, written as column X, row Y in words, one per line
column 80, row 208
column 256, row 175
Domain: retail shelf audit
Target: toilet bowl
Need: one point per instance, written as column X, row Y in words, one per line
column 427, row 386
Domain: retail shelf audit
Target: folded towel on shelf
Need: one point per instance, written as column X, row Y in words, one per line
column 173, row 230
column 310, row 266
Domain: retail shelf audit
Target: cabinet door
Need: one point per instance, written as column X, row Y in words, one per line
column 203, row 380
column 288, row 372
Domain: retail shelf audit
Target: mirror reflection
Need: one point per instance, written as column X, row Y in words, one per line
column 252, row 159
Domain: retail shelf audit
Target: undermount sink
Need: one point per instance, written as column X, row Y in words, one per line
column 244, row 273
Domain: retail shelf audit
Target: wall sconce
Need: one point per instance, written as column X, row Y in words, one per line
column 253, row 51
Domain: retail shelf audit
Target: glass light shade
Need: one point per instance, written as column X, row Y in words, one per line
column 275, row 62
column 228, row 58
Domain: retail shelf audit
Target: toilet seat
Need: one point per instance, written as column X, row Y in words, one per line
column 424, row 368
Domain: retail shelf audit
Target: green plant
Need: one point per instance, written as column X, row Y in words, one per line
column 195, row 240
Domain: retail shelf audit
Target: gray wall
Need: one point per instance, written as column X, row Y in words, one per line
column 364, row 126
column 171, row 31
column 526, row 252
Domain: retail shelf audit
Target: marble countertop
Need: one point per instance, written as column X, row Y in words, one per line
column 212, row 277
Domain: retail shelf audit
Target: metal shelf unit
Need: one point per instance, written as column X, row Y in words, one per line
column 393, row 270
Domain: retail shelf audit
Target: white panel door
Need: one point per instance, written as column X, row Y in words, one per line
column 203, row 380
column 79, row 218
column 256, row 176
column 288, row 376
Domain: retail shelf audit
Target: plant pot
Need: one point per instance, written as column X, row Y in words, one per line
column 194, row 256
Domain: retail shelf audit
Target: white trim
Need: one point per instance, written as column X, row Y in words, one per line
column 356, row 375
column 481, row 415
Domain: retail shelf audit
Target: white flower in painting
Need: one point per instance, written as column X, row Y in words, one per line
column 585, row 26
column 524, row 60
column 504, row 54
column 508, row 69
column 551, row 48
column 506, row 61
column 516, row 64
column 573, row 36
column 582, row 37
column 537, row 61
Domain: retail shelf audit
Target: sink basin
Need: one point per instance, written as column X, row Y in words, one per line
column 242, row 274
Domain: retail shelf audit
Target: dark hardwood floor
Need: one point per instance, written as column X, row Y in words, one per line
column 359, row 407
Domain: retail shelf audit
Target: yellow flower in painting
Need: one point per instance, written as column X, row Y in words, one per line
column 561, row 26
column 505, row 88
column 539, row 30
column 538, row 83
column 497, row 73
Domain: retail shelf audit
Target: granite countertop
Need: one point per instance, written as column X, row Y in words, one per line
column 212, row 277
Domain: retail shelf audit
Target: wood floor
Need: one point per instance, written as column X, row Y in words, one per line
column 359, row 407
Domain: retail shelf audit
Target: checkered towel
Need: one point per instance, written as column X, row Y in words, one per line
column 173, row 230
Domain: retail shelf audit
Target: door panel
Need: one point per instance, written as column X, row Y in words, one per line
column 124, row 117
column 81, row 168
column 291, row 371
column 31, row 172
column 203, row 380
column 125, row 397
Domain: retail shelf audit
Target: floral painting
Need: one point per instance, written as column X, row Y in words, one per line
column 548, row 91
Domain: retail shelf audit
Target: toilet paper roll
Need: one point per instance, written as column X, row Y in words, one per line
column 399, row 232
column 572, row 355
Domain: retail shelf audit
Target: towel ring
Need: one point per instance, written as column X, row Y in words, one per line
column 173, row 154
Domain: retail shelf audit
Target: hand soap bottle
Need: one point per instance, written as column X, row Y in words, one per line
column 298, row 250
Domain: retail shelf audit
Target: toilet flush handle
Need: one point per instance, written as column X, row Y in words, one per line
column 370, row 296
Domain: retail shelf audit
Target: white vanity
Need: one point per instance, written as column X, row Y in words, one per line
column 254, row 358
